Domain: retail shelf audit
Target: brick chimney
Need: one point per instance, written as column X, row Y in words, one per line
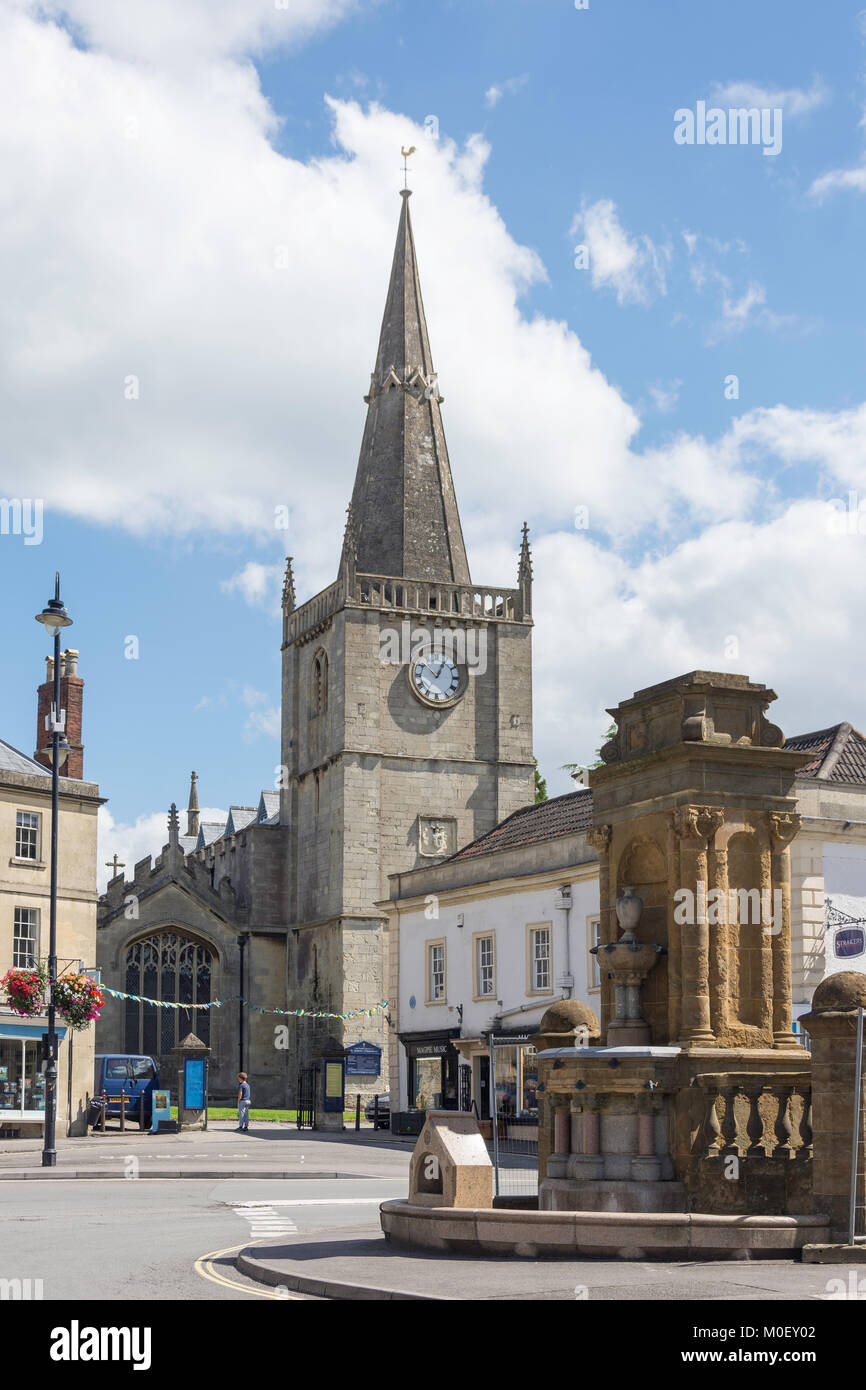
column 71, row 700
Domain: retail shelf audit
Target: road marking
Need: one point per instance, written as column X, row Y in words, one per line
column 307, row 1202
column 264, row 1221
column 204, row 1266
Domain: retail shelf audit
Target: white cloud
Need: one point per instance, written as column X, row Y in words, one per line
column 664, row 398
column 259, row 585
column 164, row 31
column 509, row 87
column 165, row 238
column 262, row 719
column 634, row 268
column 794, row 101
column 839, row 179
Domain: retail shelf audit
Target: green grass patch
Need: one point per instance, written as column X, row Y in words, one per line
column 226, row 1112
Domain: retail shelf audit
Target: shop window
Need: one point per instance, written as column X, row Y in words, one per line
column 427, row 1083
column 22, row 1084
column 25, row 938
column 27, row 834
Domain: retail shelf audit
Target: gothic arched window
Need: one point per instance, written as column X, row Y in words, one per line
column 319, row 684
column 174, row 968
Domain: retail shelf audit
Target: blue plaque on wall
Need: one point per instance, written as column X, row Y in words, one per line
column 363, row 1059
column 194, row 1083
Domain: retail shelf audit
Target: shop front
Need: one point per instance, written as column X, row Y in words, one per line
column 22, row 1082
column 432, row 1081
column 514, row 1082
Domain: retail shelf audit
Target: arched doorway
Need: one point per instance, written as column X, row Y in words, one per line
column 170, row 966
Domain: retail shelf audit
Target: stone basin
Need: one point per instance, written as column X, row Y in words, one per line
column 629, row 957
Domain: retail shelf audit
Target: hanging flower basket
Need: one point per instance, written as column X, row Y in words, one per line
column 25, row 990
column 78, row 1000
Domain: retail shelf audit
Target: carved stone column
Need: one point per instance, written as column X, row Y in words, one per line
column 696, row 826
column 783, row 828
column 599, row 838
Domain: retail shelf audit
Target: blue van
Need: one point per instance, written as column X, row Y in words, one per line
column 129, row 1072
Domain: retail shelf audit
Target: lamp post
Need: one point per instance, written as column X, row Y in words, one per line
column 53, row 617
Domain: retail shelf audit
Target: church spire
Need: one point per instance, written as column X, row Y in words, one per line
column 404, row 508
column 192, row 808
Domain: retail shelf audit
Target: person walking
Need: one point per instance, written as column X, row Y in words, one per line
column 243, row 1104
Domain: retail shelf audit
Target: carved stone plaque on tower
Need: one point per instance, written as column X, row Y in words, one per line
column 437, row 836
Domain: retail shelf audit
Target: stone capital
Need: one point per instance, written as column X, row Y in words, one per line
column 599, row 837
column 783, row 828
column 697, row 822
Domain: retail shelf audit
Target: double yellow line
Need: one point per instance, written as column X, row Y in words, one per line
column 204, row 1266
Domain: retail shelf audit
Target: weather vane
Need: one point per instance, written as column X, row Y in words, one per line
column 406, row 153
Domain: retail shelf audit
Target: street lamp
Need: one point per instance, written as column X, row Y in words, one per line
column 53, row 617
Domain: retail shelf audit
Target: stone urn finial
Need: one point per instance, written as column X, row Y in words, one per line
column 628, row 910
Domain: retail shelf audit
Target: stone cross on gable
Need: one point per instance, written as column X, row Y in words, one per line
column 114, row 864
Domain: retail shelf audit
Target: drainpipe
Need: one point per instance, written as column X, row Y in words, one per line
column 242, row 943
column 563, row 905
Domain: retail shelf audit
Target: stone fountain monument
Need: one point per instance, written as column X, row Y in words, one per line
column 679, row 1123
column 698, row 1101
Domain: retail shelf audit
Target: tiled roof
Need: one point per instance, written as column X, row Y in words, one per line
column 239, row 816
column 209, row 831
column 564, row 815
column 839, row 754
column 13, row 761
column 269, row 806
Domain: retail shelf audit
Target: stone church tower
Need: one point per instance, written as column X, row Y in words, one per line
column 406, row 689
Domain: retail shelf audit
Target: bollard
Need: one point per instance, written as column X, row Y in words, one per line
column 122, row 1110
column 376, row 1113
column 104, row 1108
column 141, row 1109
column 358, row 1112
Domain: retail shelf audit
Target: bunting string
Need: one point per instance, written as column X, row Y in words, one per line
column 237, row 998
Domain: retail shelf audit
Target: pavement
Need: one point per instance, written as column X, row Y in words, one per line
column 359, row 1263
column 268, row 1151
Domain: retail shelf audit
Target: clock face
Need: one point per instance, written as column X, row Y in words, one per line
column 435, row 679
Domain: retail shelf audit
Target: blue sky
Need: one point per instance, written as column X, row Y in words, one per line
column 141, row 211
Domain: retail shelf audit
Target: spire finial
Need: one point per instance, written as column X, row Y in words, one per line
column 406, row 153
column 173, row 827
column 524, row 573
column 192, row 808
column 289, row 588
column 349, row 557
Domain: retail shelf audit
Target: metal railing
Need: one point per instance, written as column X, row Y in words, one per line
column 857, row 1204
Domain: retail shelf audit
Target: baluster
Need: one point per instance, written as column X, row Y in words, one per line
column 783, row 1124
column 755, row 1123
column 729, row 1123
column 712, row 1128
column 805, row 1151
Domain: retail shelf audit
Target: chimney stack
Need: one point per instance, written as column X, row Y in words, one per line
column 71, row 699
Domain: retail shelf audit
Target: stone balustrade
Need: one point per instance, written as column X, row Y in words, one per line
column 457, row 601
column 445, row 600
column 755, row 1116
